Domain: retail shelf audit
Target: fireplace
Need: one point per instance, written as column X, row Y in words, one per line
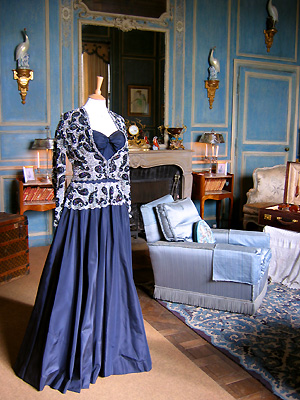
column 154, row 174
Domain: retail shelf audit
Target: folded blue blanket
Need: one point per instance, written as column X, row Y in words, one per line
column 236, row 263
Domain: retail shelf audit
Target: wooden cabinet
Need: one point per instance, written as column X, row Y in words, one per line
column 214, row 187
column 36, row 196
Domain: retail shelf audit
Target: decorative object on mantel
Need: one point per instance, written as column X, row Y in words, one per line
column 44, row 144
column 174, row 133
column 271, row 22
column 214, row 139
column 134, row 129
column 23, row 74
column 212, row 84
column 155, row 145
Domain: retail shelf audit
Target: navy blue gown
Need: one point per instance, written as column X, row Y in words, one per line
column 86, row 321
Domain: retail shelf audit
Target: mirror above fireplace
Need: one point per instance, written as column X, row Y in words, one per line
column 127, row 51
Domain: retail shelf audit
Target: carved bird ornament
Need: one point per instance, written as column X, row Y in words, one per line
column 22, row 49
column 213, row 61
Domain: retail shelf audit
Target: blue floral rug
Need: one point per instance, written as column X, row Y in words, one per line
column 266, row 344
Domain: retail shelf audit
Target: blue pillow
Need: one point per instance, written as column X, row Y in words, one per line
column 202, row 232
column 177, row 218
column 151, row 224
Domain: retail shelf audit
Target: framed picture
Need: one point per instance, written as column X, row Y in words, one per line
column 139, row 101
column 222, row 168
column 292, row 183
column 29, row 174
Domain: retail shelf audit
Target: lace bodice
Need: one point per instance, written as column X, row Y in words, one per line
column 97, row 181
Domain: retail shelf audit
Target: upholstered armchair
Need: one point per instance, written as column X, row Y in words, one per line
column 192, row 264
column 268, row 189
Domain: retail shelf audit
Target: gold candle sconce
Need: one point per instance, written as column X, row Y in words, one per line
column 23, row 74
column 271, row 22
column 212, row 84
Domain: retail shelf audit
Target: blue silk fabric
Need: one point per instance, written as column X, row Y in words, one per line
column 87, row 320
column 108, row 145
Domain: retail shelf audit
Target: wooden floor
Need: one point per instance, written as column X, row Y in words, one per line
column 230, row 376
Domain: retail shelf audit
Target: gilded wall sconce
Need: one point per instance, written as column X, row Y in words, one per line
column 23, row 74
column 212, row 84
column 271, row 22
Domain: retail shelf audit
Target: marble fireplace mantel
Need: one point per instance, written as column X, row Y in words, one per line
column 154, row 158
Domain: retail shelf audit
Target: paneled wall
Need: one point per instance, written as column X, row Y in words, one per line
column 21, row 123
column 256, row 107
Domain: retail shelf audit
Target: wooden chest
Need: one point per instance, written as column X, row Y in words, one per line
column 14, row 252
column 279, row 217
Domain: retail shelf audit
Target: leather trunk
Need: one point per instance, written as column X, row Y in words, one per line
column 283, row 219
column 14, row 252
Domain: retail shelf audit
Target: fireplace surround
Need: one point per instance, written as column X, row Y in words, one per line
column 154, row 174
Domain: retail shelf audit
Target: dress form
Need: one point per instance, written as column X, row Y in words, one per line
column 99, row 117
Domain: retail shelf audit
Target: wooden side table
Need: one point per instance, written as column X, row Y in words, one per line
column 36, row 196
column 217, row 187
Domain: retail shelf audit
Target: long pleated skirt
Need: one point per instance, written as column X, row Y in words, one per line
column 86, row 321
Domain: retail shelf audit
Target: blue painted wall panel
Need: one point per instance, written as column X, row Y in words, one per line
column 252, row 22
column 211, row 30
column 55, row 82
column 263, row 101
column 12, row 23
column 17, row 147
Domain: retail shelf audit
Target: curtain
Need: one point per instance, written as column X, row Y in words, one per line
column 95, row 63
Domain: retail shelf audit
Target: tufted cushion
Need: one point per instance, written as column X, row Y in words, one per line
column 176, row 219
column 202, row 232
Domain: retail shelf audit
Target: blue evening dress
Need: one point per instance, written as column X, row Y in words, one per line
column 86, row 321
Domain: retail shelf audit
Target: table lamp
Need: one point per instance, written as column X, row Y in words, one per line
column 214, row 139
column 44, row 144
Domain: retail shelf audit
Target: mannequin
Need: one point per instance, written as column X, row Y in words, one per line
column 99, row 117
column 97, row 330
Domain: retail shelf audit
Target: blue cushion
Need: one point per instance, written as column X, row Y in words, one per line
column 152, row 228
column 202, row 232
column 249, row 238
column 177, row 218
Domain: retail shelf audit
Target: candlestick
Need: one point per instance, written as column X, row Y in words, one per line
column 217, row 151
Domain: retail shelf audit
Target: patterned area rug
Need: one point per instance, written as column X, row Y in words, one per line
column 266, row 344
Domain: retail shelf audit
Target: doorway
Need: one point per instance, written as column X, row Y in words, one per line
column 264, row 136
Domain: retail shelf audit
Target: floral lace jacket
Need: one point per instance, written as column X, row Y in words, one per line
column 96, row 182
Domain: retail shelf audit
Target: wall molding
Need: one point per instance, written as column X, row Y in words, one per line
column 275, row 77
column 123, row 22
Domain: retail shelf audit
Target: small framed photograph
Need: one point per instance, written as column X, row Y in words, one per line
column 222, row 168
column 139, row 101
column 29, row 174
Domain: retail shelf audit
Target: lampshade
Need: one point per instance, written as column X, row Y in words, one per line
column 220, row 137
column 212, row 138
column 43, row 144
